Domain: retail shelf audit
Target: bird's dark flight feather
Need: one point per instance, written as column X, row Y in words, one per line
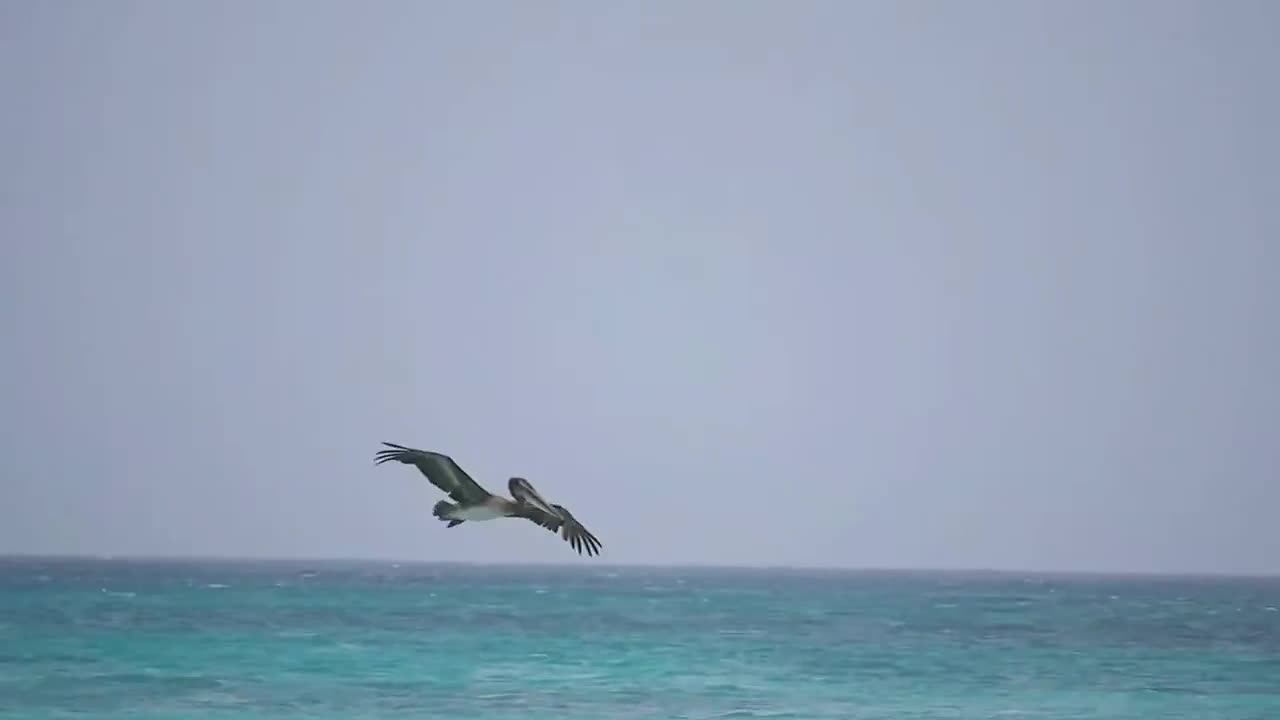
column 578, row 537
column 440, row 469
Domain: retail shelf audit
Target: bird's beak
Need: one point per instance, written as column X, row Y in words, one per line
column 531, row 496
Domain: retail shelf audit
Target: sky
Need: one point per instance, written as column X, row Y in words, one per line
column 855, row 284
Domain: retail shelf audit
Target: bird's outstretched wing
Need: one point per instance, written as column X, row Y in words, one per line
column 564, row 523
column 440, row 469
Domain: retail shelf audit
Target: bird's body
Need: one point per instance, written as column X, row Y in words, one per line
column 495, row 508
column 472, row 503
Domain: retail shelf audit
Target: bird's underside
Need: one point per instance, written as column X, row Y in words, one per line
column 471, row 502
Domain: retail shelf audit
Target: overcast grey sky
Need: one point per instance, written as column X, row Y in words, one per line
column 837, row 283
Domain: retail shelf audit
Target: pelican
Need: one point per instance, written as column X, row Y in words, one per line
column 475, row 503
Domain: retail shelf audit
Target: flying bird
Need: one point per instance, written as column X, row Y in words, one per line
column 473, row 502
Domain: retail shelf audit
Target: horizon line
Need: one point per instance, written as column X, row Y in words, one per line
column 835, row 569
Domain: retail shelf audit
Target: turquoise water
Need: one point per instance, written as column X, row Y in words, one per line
column 135, row 639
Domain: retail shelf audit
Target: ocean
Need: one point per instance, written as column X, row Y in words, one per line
column 219, row 639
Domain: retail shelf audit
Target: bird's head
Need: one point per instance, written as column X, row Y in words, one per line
column 522, row 492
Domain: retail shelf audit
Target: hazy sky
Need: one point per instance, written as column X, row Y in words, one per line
column 836, row 283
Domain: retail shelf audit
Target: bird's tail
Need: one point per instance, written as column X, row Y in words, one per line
column 442, row 510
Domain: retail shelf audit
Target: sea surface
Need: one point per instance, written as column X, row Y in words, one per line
column 168, row 639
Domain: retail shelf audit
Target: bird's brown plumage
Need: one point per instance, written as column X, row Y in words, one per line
column 443, row 472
